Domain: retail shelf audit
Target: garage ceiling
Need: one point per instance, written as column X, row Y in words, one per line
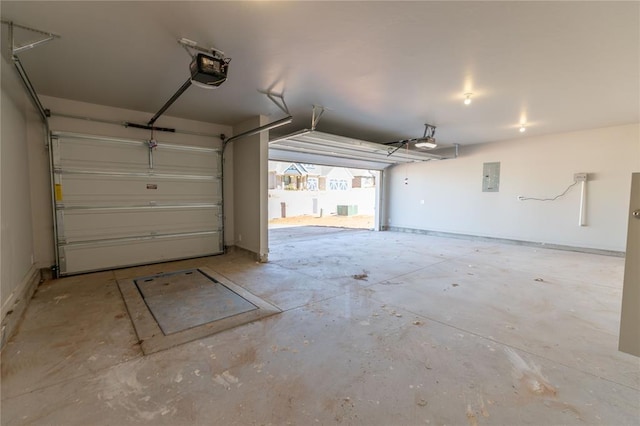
column 383, row 68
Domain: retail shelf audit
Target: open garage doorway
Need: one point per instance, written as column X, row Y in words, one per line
column 314, row 195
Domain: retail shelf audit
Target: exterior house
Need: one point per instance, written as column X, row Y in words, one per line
column 311, row 177
column 288, row 176
column 362, row 178
column 339, row 179
column 298, row 189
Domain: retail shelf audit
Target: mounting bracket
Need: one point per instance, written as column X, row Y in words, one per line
column 190, row 45
column 316, row 116
column 286, row 120
column 48, row 36
column 44, row 113
column 277, row 99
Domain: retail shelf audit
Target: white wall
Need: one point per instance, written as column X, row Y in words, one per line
column 535, row 167
column 39, row 160
column 18, row 118
column 250, row 186
column 41, row 215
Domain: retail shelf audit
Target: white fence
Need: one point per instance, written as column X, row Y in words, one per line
column 299, row 203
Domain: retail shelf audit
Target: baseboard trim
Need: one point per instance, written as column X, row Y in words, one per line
column 14, row 308
column 505, row 241
column 262, row 258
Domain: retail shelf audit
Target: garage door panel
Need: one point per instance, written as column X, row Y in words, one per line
column 103, row 190
column 95, row 154
column 89, row 153
column 118, row 203
column 196, row 161
column 83, row 225
column 94, row 257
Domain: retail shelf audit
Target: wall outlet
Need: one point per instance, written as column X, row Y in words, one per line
column 520, row 197
column 580, row 177
column 239, row 237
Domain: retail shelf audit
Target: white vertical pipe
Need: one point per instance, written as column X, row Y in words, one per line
column 583, row 203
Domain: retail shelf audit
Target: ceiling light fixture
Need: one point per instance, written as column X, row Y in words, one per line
column 427, row 144
column 467, row 98
column 522, row 128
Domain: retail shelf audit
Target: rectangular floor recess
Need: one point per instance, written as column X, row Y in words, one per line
column 173, row 308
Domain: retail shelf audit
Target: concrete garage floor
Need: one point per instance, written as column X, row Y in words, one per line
column 378, row 329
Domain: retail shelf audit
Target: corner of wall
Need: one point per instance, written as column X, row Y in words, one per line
column 250, row 188
column 17, row 269
column 16, row 304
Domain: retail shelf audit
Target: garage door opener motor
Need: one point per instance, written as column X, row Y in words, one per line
column 208, row 69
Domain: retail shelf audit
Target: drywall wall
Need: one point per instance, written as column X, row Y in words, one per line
column 39, row 160
column 250, row 186
column 18, row 117
column 41, row 215
column 446, row 196
column 630, row 315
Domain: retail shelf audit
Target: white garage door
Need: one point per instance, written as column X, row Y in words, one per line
column 314, row 147
column 119, row 205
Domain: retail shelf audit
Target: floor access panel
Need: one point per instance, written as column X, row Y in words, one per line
column 170, row 309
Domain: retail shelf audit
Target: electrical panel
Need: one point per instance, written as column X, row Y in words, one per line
column 491, row 177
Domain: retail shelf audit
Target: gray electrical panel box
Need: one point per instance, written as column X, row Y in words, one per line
column 491, row 177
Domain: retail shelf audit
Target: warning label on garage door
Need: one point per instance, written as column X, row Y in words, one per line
column 58, row 192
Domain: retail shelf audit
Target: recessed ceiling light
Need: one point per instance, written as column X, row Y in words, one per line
column 467, row 98
column 522, row 128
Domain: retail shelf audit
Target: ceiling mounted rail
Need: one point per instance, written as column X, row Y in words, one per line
column 170, row 102
column 277, row 99
column 260, row 129
column 316, row 114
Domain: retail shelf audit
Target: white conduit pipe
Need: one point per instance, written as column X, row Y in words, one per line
column 583, row 203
